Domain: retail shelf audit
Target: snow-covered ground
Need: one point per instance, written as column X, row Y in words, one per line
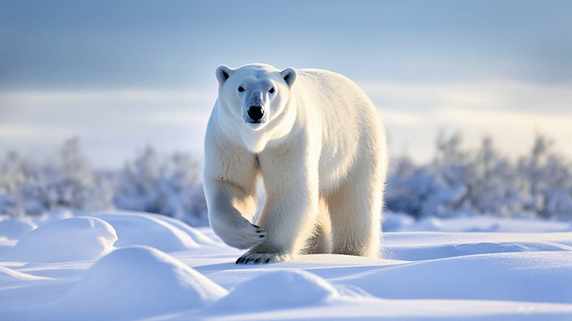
column 134, row 266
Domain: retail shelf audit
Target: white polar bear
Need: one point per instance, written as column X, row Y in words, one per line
column 316, row 140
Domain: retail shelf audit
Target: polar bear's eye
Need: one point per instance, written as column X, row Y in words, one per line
column 240, row 89
column 271, row 90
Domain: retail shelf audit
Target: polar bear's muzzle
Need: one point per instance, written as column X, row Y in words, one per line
column 255, row 114
column 255, row 111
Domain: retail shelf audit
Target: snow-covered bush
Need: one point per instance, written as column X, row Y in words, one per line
column 457, row 180
column 171, row 187
column 67, row 181
column 482, row 181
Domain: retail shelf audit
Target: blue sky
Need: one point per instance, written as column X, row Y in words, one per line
column 123, row 74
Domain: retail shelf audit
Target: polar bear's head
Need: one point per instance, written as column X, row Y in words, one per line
column 255, row 95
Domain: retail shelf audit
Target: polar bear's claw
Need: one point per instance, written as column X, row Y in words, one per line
column 260, row 257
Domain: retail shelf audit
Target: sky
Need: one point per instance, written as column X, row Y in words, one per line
column 122, row 75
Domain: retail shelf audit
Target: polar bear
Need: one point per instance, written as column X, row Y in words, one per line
column 316, row 140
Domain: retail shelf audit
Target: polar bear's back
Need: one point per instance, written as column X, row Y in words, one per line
column 337, row 95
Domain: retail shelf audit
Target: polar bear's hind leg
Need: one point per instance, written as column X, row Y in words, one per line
column 356, row 216
column 320, row 241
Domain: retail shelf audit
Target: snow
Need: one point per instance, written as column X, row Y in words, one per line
column 137, row 266
column 73, row 239
column 8, row 276
column 15, row 229
column 136, row 281
column 469, row 222
column 54, row 215
column 290, row 289
column 147, row 230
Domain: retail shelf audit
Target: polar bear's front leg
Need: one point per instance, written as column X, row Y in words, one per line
column 227, row 205
column 291, row 208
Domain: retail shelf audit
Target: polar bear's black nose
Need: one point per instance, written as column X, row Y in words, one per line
column 256, row 113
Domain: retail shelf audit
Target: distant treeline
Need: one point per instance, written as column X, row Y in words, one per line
column 457, row 181
column 483, row 181
column 169, row 186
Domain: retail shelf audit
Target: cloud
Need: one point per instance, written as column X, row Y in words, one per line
column 511, row 112
column 144, row 97
column 26, row 132
column 513, row 120
column 513, row 131
column 113, row 125
column 403, row 118
column 194, row 117
column 493, row 94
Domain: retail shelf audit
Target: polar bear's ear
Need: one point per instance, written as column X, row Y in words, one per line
column 289, row 75
column 222, row 73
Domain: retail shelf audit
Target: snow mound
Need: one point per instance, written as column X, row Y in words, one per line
column 8, row 276
column 431, row 252
column 15, row 229
column 468, row 222
column 73, row 239
column 525, row 277
column 138, row 281
column 418, row 246
column 54, row 215
column 6, row 245
column 193, row 233
column 279, row 290
column 145, row 229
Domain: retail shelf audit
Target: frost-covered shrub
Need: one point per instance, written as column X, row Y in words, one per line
column 170, row 187
column 67, row 181
column 456, row 181
column 547, row 179
column 422, row 193
column 482, row 181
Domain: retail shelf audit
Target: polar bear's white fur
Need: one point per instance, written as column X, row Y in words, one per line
column 316, row 140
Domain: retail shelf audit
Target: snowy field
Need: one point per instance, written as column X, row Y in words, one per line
column 128, row 266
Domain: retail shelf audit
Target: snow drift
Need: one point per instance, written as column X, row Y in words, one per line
column 8, row 276
column 108, row 266
column 290, row 288
column 73, row 239
column 150, row 230
column 136, row 281
column 15, row 229
column 527, row 277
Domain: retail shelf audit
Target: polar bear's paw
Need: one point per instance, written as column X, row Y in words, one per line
column 262, row 254
column 250, row 236
column 243, row 236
